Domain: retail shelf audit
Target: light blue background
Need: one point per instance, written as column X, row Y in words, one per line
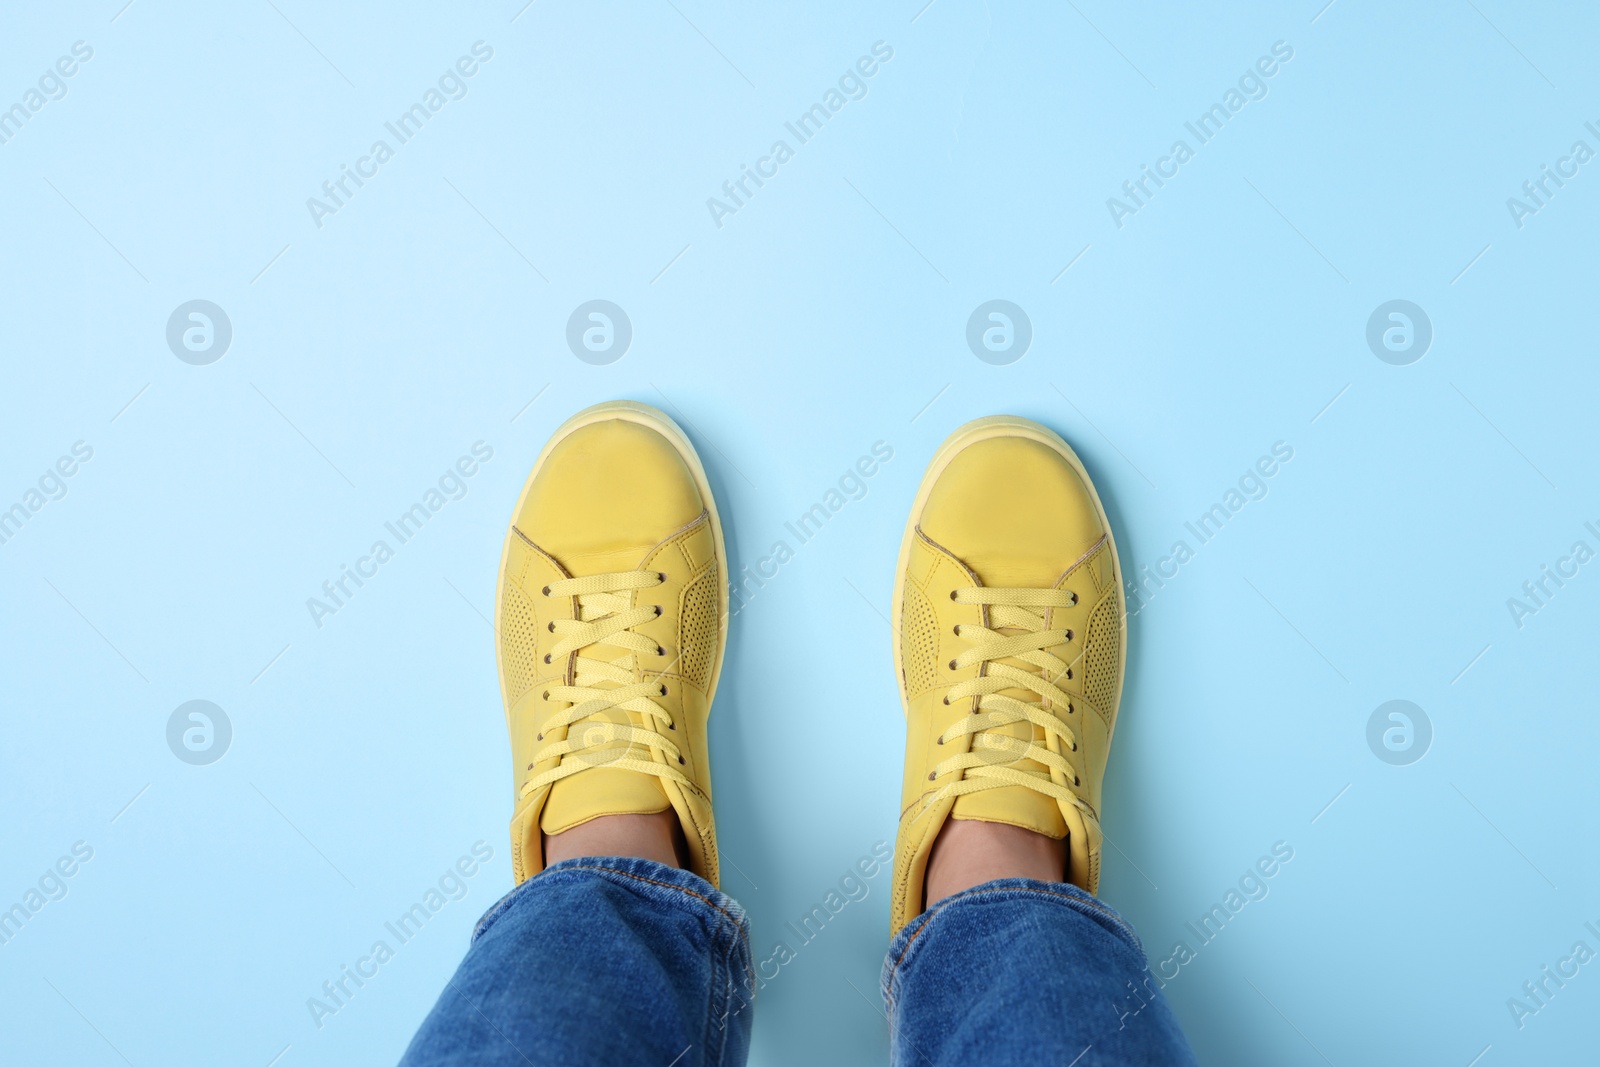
column 828, row 313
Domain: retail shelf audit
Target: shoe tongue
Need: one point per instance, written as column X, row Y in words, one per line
column 1015, row 805
column 602, row 559
column 1014, row 556
column 601, row 789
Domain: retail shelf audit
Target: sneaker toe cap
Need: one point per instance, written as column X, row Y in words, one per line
column 606, row 494
column 1014, row 510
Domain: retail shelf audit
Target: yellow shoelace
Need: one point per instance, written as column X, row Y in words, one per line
column 986, row 764
column 620, row 712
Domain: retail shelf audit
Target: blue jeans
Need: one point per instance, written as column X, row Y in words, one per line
column 626, row 961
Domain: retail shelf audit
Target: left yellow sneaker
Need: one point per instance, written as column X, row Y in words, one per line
column 1010, row 646
column 611, row 619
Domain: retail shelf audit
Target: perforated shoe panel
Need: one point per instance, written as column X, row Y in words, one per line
column 1102, row 646
column 518, row 641
column 919, row 640
column 697, row 629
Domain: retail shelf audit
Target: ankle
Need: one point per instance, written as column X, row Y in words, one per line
column 968, row 853
column 658, row 837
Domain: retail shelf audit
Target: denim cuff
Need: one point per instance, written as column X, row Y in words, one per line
column 902, row 949
column 671, row 886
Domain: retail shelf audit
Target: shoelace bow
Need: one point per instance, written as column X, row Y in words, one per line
column 603, row 692
column 986, row 763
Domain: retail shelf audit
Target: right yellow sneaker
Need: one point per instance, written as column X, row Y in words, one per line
column 611, row 621
column 1010, row 642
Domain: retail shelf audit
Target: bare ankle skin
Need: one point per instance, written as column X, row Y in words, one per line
column 968, row 853
column 652, row 837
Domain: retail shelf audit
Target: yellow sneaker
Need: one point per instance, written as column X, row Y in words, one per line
column 611, row 618
column 1010, row 643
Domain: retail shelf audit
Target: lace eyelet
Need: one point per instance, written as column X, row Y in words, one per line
column 547, row 657
column 1076, row 780
column 681, row 759
column 956, row 629
column 939, row 740
column 550, row 626
column 661, row 576
column 545, row 591
column 658, row 611
column 931, row 776
column 660, row 651
column 530, row 766
column 1071, row 709
column 663, row 690
column 1069, row 635
column 1069, row 674
column 672, row 726
column 1074, row 598
column 952, row 594
column 946, row 700
column 546, row 695
column 952, row 664
column 1074, row 746
column 537, row 737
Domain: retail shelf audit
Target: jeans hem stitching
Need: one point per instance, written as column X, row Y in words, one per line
column 1093, row 905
